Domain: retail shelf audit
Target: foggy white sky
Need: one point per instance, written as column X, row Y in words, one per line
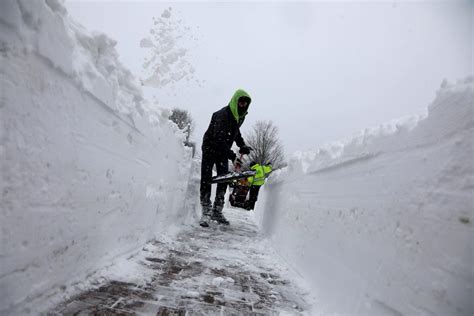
column 321, row 71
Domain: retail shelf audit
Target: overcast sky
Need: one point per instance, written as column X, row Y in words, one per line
column 321, row 71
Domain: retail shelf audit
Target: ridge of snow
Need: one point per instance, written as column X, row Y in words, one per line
column 85, row 179
column 390, row 136
column 382, row 223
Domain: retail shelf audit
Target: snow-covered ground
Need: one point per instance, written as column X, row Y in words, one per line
column 221, row 270
column 382, row 224
column 88, row 172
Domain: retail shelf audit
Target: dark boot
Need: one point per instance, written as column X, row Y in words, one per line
column 206, row 216
column 218, row 216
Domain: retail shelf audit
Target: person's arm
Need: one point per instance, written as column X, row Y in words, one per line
column 267, row 170
column 244, row 149
column 220, row 131
column 239, row 140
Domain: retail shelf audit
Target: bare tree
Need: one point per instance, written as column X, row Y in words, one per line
column 266, row 144
column 183, row 119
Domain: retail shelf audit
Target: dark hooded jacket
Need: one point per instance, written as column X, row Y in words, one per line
column 224, row 129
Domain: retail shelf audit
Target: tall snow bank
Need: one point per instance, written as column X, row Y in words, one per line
column 88, row 172
column 382, row 224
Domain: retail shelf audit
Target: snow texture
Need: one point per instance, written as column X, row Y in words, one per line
column 168, row 60
column 89, row 172
column 220, row 270
column 382, row 224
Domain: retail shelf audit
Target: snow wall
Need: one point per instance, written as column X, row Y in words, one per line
column 88, row 174
column 382, row 224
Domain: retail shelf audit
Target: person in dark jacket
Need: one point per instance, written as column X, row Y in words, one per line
column 223, row 130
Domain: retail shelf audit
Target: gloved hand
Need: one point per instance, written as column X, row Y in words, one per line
column 245, row 150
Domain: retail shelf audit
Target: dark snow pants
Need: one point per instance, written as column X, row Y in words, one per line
column 222, row 167
column 253, row 195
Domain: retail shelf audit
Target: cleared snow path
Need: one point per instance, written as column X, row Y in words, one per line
column 218, row 270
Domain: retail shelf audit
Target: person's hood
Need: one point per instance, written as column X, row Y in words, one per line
column 233, row 104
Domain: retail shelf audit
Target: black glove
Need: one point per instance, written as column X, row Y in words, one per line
column 245, row 150
column 232, row 156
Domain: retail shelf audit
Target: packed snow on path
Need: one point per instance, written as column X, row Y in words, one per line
column 220, row 270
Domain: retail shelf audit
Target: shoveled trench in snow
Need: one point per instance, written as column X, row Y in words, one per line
column 100, row 199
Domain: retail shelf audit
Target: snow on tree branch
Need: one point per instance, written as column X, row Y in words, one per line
column 183, row 119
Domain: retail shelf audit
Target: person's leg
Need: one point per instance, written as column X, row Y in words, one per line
column 253, row 196
column 222, row 168
column 205, row 190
